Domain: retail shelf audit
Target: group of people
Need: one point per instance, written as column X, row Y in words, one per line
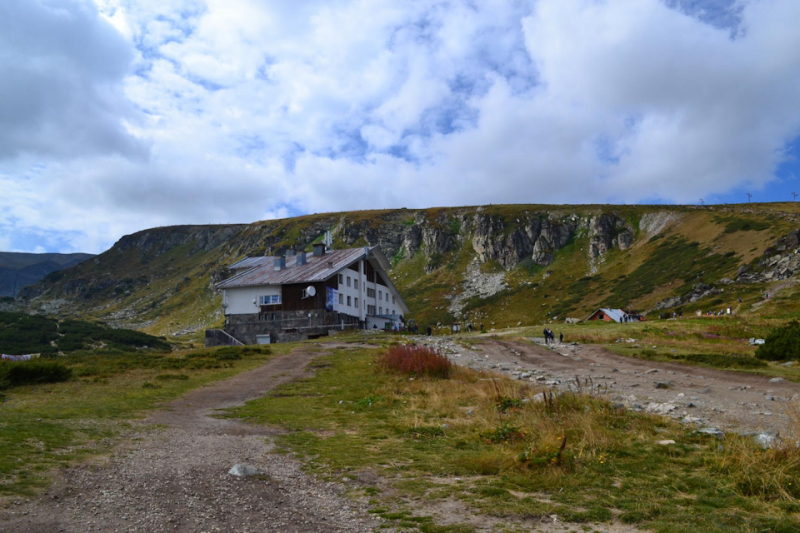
column 549, row 336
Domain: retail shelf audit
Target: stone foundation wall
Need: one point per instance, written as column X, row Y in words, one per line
column 286, row 326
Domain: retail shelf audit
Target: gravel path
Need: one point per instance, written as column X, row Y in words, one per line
column 176, row 478
column 731, row 401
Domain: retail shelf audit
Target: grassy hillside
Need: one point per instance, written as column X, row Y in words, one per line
column 161, row 280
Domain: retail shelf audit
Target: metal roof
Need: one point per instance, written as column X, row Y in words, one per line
column 250, row 262
column 317, row 268
column 614, row 314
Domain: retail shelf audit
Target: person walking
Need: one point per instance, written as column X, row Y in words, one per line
column 561, row 337
column 546, row 334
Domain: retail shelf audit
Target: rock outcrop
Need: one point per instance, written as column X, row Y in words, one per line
column 780, row 261
column 608, row 231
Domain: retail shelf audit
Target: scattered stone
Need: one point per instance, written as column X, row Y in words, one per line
column 711, row 431
column 651, row 371
column 660, row 408
column 705, row 391
column 664, row 385
column 666, row 442
column 776, row 380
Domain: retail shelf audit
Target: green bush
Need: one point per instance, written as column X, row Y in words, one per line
column 32, row 372
column 781, row 344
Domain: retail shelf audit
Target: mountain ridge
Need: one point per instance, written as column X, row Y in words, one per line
column 18, row 269
column 498, row 264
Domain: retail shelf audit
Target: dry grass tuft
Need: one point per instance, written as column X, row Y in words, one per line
column 416, row 361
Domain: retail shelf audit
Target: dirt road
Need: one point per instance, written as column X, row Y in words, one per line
column 176, row 478
column 734, row 401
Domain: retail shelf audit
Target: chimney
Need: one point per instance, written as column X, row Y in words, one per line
column 280, row 263
column 301, row 258
column 319, row 249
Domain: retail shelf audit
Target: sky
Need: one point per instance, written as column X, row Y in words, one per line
column 122, row 115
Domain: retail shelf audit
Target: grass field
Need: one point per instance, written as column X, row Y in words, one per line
column 52, row 425
column 502, row 448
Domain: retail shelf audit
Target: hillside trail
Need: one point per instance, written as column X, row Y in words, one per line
column 704, row 397
column 175, row 478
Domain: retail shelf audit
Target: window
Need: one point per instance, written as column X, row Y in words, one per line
column 355, row 303
column 348, row 281
column 341, row 298
column 380, row 310
column 355, row 284
column 371, row 293
column 380, row 295
column 273, row 299
column 371, row 309
column 349, row 303
column 393, row 299
column 341, row 279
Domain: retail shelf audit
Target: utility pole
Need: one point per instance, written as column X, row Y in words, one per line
column 794, row 196
column 749, row 197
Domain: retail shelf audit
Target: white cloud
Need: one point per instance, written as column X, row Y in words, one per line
column 249, row 109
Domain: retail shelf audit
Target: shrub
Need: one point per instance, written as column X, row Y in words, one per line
column 504, row 433
column 505, row 403
column 32, row 372
column 781, row 344
column 417, row 361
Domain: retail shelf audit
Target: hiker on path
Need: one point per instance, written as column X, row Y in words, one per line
column 546, row 336
column 561, row 337
column 430, row 331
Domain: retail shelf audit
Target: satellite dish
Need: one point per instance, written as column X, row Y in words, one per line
column 311, row 291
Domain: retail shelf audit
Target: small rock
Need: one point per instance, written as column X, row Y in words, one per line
column 244, row 471
column 666, row 442
column 711, row 431
column 765, row 440
column 776, row 380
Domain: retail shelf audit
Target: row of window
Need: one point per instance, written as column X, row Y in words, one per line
column 370, row 308
column 349, row 304
column 272, row 299
column 370, row 292
column 351, row 282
